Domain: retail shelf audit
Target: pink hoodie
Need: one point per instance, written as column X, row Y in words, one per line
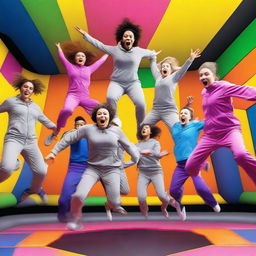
column 79, row 76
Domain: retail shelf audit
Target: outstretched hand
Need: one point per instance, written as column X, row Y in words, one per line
column 190, row 100
column 80, row 30
column 51, row 156
column 164, row 153
column 57, row 45
column 195, row 54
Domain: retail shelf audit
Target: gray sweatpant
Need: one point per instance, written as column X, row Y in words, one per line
column 124, row 185
column 32, row 155
column 111, row 181
column 167, row 116
column 157, row 179
column 135, row 93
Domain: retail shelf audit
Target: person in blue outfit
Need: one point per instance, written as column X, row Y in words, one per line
column 185, row 134
column 77, row 165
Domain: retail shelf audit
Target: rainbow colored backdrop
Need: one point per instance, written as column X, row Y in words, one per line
column 224, row 30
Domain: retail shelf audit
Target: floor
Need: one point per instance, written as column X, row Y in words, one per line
column 202, row 234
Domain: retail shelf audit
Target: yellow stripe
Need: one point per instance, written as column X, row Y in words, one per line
column 3, row 52
column 73, row 13
column 41, row 238
column 222, row 237
column 187, row 199
column 41, row 98
column 186, row 21
column 251, row 81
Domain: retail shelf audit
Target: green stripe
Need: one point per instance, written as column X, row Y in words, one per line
column 7, row 200
column 146, row 78
column 248, row 197
column 243, row 45
column 95, row 200
column 48, row 20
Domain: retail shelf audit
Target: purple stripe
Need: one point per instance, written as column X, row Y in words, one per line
column 10, row 67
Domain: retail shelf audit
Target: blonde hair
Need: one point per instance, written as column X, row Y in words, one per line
column 173, row 62
column 211, row 66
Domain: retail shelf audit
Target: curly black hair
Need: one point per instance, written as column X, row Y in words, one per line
column 20, row 80
column 155, row 131
column 125, row 26
column 108, row 107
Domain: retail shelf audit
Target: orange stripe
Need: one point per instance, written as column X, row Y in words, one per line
column 41, row 238
column 222, row 237
column 240, row 74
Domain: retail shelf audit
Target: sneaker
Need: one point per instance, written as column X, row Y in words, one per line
column 27, row 192
column 181, row 210
column 121, row 211
column 164, row 210
column 48, row 141
column 216, row 208
column 108, row 211
column 73, row 225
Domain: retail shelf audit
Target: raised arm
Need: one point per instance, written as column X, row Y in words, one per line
column 69, row 138
column 98, row 63
column 181, row 72
column 105, row 48
column 243, row 92
column 62, row 57
column 4, row 107
column 154, row 69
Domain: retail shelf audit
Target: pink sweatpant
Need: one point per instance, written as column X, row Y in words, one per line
column 232, row 140
column 72, row 101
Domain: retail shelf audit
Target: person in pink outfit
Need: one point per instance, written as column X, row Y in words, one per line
column 222, row 128
column 79, row 81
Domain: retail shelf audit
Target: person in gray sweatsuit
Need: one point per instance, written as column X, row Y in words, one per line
column 167, row 74
column 20, row 137
column 103, row 163
column 127, row 57
column 150, row 169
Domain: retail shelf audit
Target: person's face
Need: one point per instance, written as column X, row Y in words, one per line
column 26, row 90
column 185, row 116
column 166, row 69
column 206, row 77
column 79, row 123
column 146, row 131
column 102, row 118
column 128, row 40
column 80, row 58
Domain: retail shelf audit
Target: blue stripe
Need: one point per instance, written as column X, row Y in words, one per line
column 16, row 23
column 23, row 182
column 252, row 121
column 227, row 175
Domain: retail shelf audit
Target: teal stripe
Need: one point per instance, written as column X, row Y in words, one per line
column 243, row 45
column 47, row 17
column 146, row 78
